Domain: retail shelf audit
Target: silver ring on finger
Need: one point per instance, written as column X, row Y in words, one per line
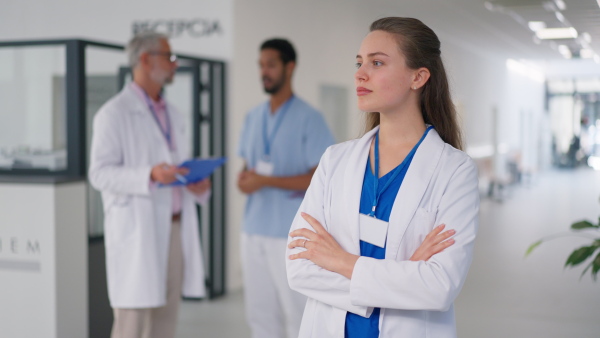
column 304, row 243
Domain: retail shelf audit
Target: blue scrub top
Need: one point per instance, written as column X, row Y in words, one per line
column 358, row 326
column 300, row 138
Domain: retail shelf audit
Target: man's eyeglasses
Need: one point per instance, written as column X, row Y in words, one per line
column 172, row 57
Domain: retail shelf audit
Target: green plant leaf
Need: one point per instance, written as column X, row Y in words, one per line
column 580, row 255
column 583, row 225
column 586, row 269
column 596, row 266
column 532, row 247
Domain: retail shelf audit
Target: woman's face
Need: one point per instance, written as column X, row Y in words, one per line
column 383, row 81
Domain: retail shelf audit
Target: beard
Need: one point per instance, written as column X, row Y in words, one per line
column 162, row 76
column 276, row 84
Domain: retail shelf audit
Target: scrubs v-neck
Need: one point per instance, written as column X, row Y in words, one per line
column 358, row 326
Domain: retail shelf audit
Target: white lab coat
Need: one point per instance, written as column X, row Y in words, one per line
column 126, row 144
column 415, row 297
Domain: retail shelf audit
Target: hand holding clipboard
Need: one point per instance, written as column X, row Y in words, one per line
column 199, row 169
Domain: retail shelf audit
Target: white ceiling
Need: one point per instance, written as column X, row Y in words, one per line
column 470, row 23
column 583, row 15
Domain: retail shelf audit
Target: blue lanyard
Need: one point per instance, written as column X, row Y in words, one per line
column 397, row 171
column 166, row 133
column 268, row 139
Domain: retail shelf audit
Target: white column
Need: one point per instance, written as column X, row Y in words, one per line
column 43, row 260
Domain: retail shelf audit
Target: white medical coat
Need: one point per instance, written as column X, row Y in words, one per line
column 126, row 144
column 416, row 298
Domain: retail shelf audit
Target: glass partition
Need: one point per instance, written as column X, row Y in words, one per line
column 33, row 107
column 574, row 108
column 180, row 94
column 102, row 83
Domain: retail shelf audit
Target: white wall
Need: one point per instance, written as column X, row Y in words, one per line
column 112, row 21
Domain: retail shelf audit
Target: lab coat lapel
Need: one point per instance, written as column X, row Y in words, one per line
column 181, row 145
column 354, row 176
column 150, row 127
column 411, row 191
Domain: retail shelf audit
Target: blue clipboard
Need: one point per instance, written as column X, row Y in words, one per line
column 199, row 169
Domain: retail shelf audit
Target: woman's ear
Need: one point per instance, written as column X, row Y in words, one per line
column 421, row 76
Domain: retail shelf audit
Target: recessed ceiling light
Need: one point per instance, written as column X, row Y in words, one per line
column 560, row 16
column 586, row 53
column 565, row 51
column 557, row 33
column 549, row 6
column 537, row 25
column 525, row 69
column 560, row 4
column 586, row 36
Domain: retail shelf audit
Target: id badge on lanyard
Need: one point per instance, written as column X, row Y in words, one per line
column 265, row 165
column 264, row 168
column 373, row 230
column 165, row 131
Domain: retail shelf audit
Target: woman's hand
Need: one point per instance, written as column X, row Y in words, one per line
column 322, row 249
column 435, row 242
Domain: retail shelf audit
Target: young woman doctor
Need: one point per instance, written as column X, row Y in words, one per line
column 364, row 246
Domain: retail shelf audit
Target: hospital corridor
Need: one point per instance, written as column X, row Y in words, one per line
column 298, row 169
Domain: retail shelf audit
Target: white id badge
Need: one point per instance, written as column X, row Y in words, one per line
column 264, row 168
column 373, row 230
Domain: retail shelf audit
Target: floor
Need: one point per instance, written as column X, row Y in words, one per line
column 506, row 294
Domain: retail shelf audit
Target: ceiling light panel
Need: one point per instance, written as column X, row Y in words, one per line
column 537, row 25
column 586, row 53
column 560, row 4
column 556, row 33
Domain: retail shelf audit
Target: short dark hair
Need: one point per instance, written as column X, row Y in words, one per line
column 283, row 46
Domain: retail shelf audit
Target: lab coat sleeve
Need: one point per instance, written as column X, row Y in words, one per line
column 107, row 170
column 426, row 285
column 203, row 198
column 303, row 275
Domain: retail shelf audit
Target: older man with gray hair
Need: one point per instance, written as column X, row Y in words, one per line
column 153, row 254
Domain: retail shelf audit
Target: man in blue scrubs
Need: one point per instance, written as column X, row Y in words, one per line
column 281, row 143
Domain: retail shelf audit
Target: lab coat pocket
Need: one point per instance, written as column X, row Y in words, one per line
column 119, row 225
column 425, row 222
column 427, row 217
column 122, row 201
